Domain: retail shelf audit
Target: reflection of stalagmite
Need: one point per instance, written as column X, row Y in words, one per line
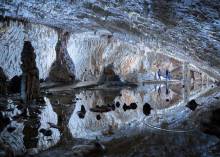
column 186, row 81
column 48, row 135
column 192, row 75
column 30, row 75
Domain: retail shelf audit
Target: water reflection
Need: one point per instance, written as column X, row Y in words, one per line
column 24, row 134
column 91, row 114
column 47, row 117
column 146, row 105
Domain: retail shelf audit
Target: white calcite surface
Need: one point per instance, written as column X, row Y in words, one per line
column 184, row 29
column 12, row 38
column 87, row 53
column 92, row 51
column 48, row 116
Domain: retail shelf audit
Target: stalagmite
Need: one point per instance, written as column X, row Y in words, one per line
column 30, row 88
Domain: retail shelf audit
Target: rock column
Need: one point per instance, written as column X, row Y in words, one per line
column 63, row 68
column 30, row 87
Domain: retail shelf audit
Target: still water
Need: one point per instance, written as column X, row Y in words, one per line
column 148, row 120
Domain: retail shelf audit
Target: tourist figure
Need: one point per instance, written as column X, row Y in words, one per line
column 167, row 93
column 167, row 90
column 159, row 90
column 167, row 74
column 159, row 74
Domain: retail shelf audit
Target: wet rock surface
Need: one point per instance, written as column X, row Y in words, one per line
column 94, row 149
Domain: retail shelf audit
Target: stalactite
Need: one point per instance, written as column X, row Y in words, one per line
column 63, row 68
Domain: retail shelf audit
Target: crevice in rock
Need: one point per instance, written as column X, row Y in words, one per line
column 30, row 84
column 63, row 68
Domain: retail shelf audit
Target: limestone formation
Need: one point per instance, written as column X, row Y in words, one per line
column 62, row 69
column 12, row 36
column 109, row 75
column 30, row 88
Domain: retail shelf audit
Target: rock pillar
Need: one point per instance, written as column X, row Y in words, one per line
column 30, row 86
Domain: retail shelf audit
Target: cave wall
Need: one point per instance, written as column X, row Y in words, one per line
column 12, row 37
column 165, row 26
column 92, row 51
column 86, row 54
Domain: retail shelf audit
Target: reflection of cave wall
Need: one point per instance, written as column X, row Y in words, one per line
column 118, row 119
column 26, row 136
column 90, row 127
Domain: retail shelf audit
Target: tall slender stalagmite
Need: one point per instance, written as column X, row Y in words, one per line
column 30, row 88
